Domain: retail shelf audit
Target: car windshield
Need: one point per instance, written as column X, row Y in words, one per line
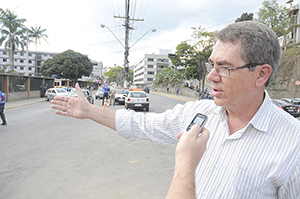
column 61, row 90
column 282, row 103
column 120, row 91
column 85, row 93
column 138, row 94
column 74, row 93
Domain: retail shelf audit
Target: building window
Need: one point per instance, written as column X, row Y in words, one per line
column 29, row 68
column 21, row 68
column 150, row 59
column 4, row 60
column 150, row 72
column 30, row 61
column 21, row 61
column 150, row 66
column 150, row 79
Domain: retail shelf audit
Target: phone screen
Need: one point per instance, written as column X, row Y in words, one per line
column 199, row 119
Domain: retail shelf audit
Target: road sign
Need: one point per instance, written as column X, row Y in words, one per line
column 297, row 82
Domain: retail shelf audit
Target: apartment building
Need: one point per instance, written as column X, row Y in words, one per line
column 20, row 61
column 148, row 67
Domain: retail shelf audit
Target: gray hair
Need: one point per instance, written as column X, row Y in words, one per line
column 259, row 43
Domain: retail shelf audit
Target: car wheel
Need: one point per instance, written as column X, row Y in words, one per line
column 47, row 99
column 147, row 109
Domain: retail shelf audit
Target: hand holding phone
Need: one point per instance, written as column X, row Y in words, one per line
column 199, row 119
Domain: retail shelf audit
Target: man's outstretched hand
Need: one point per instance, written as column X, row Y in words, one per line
column 70, row 106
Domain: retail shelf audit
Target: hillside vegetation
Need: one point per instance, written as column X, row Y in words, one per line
column 283, row 85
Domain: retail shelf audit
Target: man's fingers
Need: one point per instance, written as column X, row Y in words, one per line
column 205, row 134
column 195, row 130
column 79, row 91
column 179, row 135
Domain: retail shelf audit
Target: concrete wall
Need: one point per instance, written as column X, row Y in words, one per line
column 23, row 95
column 182, row 91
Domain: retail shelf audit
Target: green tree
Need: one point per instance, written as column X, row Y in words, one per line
column 274, row 16
column 35, row 35
column 12, row 30
column 245, row 17
column 184, row 51
column 68, row 65
column 117, row 73
column 168, row 76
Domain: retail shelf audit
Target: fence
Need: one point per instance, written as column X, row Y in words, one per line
column 19, row 87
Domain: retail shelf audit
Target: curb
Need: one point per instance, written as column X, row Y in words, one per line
column 174, row 96
column 21, row 105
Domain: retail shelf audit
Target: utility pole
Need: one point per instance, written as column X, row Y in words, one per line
column 127, row 28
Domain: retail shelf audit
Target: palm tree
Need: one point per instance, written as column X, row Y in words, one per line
column 12, row 30
column 35, row 35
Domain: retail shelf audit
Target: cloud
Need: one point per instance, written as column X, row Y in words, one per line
column 76, row 24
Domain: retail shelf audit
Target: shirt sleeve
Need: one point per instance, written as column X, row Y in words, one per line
column 157, row 127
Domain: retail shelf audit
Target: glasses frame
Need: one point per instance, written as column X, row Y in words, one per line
column 218, row 67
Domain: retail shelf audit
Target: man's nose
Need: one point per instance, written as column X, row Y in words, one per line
column 213, row 76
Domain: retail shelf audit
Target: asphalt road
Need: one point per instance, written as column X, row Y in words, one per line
column 44, row 155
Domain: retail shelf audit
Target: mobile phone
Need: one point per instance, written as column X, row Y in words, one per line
column 199, row 119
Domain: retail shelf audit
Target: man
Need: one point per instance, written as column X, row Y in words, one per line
column 2, row 104
column 112, row 92
column 105, row 93
column 253, row 151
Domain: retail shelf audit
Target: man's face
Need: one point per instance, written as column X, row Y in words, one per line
column 236, row 90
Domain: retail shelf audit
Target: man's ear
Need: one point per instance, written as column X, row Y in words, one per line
column 264, row 72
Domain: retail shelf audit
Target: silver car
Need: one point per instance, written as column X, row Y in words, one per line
column 85, row 92
column 52, row 92
column 137, row 100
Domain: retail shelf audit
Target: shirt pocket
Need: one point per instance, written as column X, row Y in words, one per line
column 246, row 185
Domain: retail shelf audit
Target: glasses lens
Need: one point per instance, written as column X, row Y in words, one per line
column 224, row 72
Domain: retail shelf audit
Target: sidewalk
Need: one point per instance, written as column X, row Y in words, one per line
column 180, row 97
column 26, row 102
column 20, row 103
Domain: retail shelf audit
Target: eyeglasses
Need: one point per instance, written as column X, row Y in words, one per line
column 224, row 71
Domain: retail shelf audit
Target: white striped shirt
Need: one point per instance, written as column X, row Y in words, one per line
column 261, row 160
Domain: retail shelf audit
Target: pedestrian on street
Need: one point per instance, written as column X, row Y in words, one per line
column 177, row 91
column 105, row 92
column 253, row 149
column 167, row 89
column 112, row 92
column 42, row 90
column 2, row 105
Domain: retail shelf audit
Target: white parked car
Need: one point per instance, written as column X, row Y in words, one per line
column 99, row 93
column 52, row 92
column 137, row 100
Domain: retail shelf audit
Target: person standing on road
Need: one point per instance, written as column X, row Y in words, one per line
column 112, row 93
column 177, row 91
column 2, row 104
column 105, row 93
column 253, row 150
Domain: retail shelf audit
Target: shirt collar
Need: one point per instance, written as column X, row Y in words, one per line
column 261, row 119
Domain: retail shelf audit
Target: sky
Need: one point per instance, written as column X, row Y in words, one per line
column 76, row 25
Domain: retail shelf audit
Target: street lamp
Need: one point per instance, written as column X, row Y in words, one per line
column 103, row 26
column 126, row 53
column 153, row 30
